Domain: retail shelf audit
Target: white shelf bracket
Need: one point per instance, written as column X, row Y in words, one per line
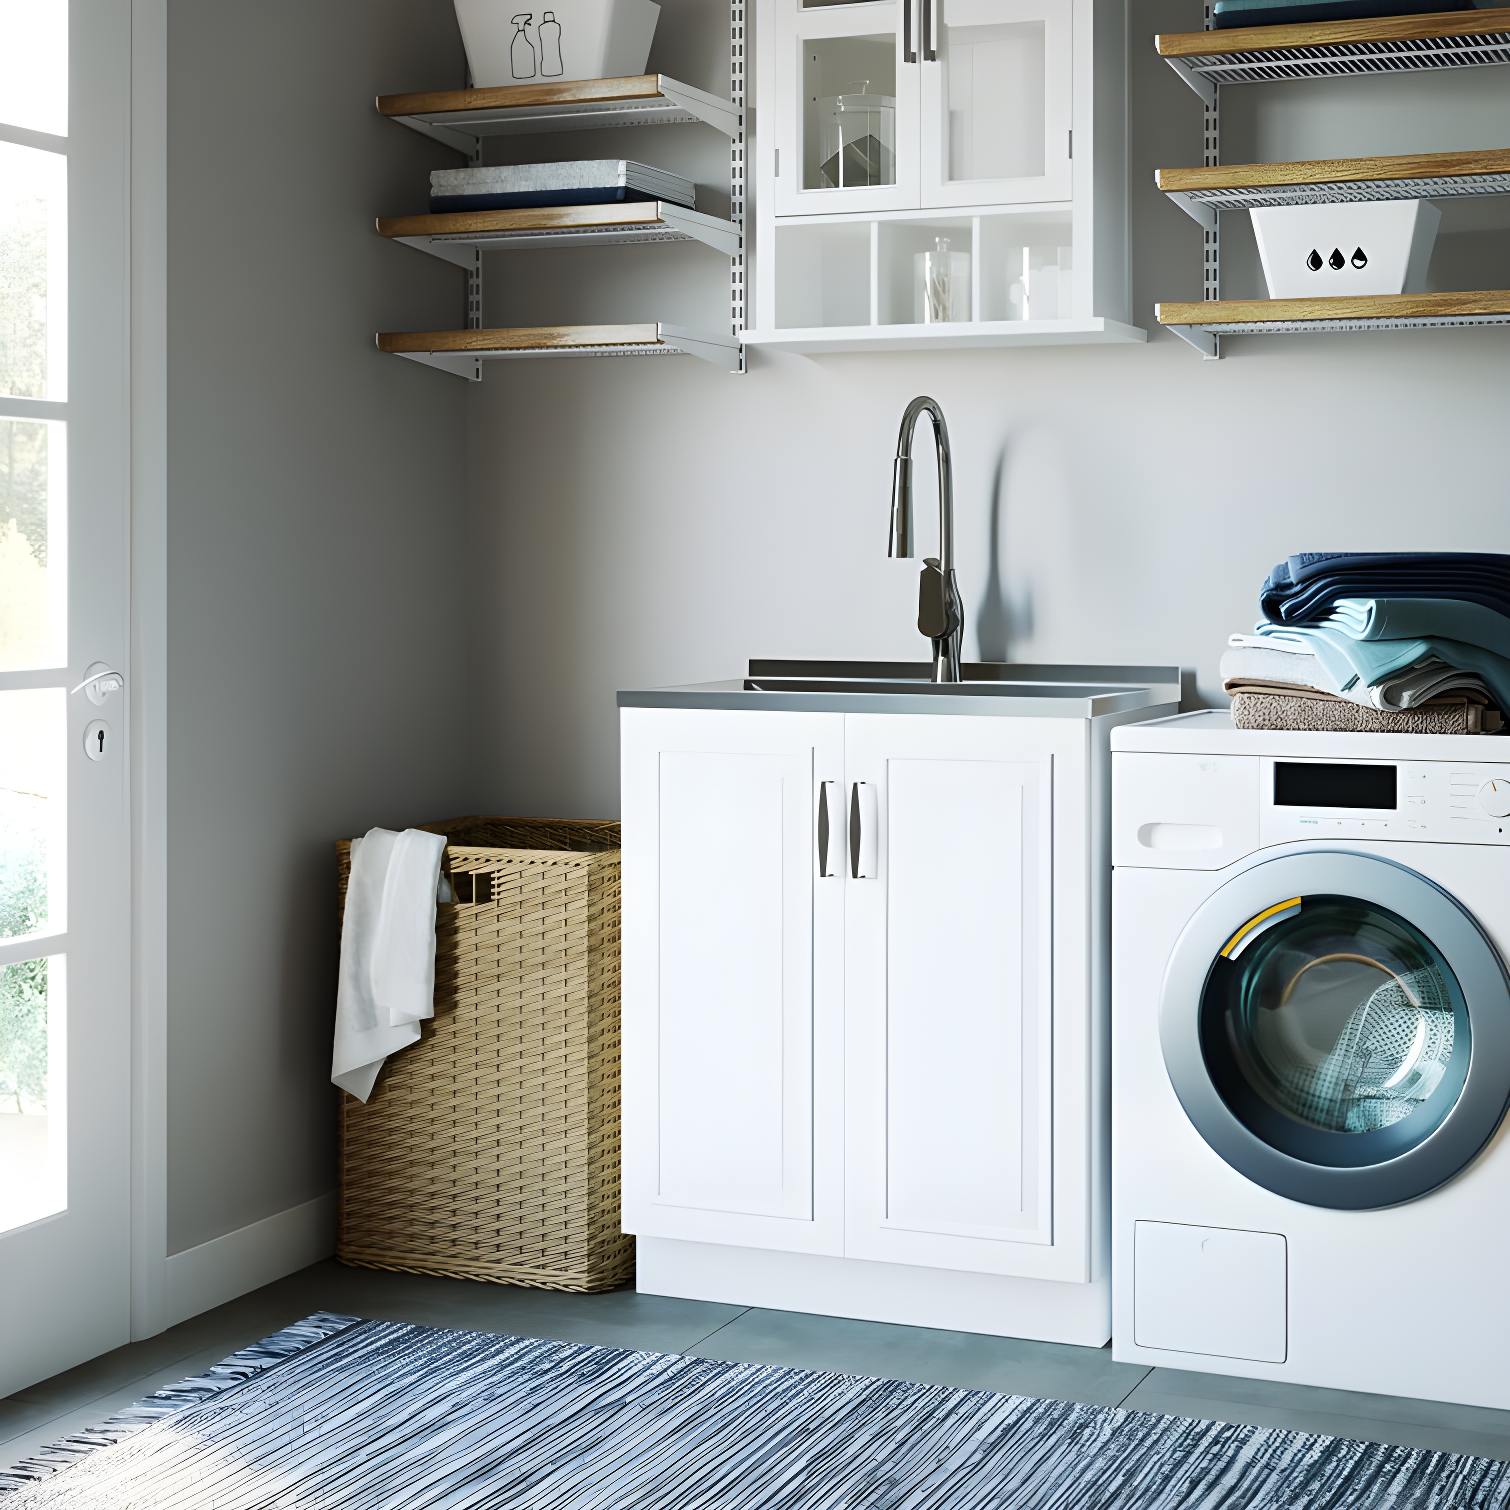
column 726, row 354
column 1209, row 345
column 457, row 363
column 726, row 118
column 1198, row 210
column 459, row 141
column 1195, row 78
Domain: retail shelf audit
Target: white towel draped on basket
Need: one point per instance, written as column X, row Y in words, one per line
column 387, row 979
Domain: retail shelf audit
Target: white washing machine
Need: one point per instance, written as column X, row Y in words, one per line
column 1311, row 1057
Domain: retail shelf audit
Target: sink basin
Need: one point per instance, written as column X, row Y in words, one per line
column 929, row 689
column 990, row 688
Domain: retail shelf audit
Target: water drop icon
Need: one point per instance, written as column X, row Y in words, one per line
column 1337, row 260
column 1360, row 259
column 1314, row 261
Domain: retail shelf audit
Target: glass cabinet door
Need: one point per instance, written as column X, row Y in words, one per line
column 846, row 137
column 995, row 101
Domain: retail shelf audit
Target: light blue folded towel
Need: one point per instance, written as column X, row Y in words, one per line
column 1354, row 663
column 1421, row 618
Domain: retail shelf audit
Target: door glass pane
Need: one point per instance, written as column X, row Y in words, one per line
column 849, row 107
column 1341, row 1016
column 32, row 735
column 32, row 456
column 34, row 65
column 33, row 272
column 32, row 1125
column 995, row 89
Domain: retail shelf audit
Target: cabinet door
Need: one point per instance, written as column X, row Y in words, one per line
column 732, row 979
column 949, row 994
column 846, row 126
column 996, row 103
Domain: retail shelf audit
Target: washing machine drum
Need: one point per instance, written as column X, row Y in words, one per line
column 1337, row 1027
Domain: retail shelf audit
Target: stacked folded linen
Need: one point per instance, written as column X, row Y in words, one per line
column 1404, row 642
column 535, row 185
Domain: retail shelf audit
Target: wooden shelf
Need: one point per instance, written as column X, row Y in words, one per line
column 1333, row 49
column 463, row 351
column 1201, row 323
column 455, row 236
column 955, row 336
column 1201, row 192
column 460, row 117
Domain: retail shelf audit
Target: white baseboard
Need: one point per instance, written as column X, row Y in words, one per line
column 1045, row 1310
column 199, row 1279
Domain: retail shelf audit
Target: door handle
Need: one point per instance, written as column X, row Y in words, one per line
column 862, row 831
column 909, row 53
column 930, row 53
column 828, row 827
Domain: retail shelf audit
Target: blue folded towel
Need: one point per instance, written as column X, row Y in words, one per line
column 1354, row 664
column 1307, row 588
column 1229, row 13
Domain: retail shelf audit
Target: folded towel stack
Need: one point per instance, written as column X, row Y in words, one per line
column 539, row 185
column 1398, row 642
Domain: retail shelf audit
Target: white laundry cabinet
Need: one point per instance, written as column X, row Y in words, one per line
column 864, row 1010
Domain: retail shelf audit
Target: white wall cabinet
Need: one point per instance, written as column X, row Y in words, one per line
column 885, row 126
column 860, row 1009
column 866, row 120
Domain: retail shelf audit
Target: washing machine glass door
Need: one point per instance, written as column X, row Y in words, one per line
column 1338, row 1029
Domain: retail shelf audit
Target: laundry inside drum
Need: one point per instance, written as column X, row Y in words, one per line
column 1343, row 1016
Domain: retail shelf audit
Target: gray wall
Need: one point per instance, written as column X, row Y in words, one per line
column 653, row 522
column 315, row 643
column 393, row 597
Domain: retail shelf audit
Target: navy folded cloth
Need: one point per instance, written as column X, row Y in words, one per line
column 1303, row 589
column 535, row 199
column 1230, row 13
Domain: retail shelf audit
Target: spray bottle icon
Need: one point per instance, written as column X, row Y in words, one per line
column 549, row 35
column 522, row 50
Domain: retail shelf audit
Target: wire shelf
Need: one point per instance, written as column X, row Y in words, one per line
column 1338, row 49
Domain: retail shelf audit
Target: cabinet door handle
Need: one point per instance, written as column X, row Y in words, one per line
column 862, row 831
column 828, row 827
column 930, row 53
column 909, row 53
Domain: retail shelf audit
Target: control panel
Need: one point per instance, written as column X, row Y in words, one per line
column 1434, row 801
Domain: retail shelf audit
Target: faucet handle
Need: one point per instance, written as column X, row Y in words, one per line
column 938, row 601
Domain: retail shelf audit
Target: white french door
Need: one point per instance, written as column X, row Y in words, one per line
column 65, row 1044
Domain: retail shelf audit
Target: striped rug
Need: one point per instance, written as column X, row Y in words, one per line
column 342, row 1414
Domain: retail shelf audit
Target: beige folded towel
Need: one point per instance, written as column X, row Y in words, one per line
column 1268, row 705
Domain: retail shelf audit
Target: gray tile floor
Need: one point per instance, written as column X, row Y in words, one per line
column 86, row 1394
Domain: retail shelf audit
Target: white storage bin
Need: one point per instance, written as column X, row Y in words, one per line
column 1331, row 250
column 575, row 39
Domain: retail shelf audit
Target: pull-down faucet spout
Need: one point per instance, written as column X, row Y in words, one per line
column 941, row 614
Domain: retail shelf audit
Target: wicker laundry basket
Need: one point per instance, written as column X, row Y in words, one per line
column 490, row 1149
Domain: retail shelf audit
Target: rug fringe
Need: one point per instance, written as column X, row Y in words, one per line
column 226, row 1374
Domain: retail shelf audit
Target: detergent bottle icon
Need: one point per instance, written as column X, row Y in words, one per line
column 522, row 50
column 549, row 36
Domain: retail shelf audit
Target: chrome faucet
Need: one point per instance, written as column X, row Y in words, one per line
column 941, row 614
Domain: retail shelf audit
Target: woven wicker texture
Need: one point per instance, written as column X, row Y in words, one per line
column 490, row 1149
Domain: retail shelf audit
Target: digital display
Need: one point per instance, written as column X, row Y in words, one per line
column 1301, row 784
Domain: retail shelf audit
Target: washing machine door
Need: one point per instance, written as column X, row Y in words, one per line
column 1337, row 1027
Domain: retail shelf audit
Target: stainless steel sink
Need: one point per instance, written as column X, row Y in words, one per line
column 991, row 688
column 927, row 688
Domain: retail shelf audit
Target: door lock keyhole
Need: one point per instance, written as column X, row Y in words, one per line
column 98, row 740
